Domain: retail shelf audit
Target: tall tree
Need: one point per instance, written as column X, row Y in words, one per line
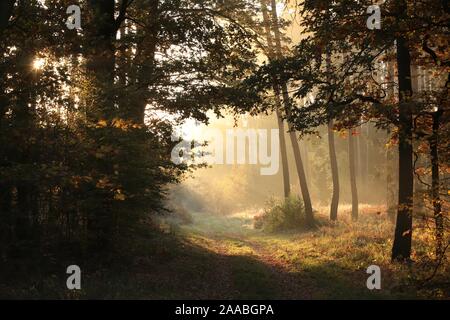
column 276, row 87
column 292, row 133
column 401, row 249
column 334, row 206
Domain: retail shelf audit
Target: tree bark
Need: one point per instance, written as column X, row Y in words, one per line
column 354, row 189
column 305, row 157
column 145, row 60
column 334, row 172
column 361, row 154
column 302, row 179
column 401, row 250
column 333, row 160
column 283, row 151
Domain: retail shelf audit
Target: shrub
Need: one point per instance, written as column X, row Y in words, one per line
column 280, row 215
column 183, row 215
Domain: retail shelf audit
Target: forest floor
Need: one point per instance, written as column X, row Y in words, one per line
column 224, row 257
column 327, row 263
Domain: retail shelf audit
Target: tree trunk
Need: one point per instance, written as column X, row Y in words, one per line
column 283, row 151
column 280, row 121
column 333, row 160
column 351, row 158
column 305, row 157
column 298, row 158
column 302, row 179
column 334, row 172
column 362, row 148
column 145, row 60
column 401, row 249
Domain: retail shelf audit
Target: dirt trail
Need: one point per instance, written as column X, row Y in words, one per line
column 235, row 261
column 233, row 237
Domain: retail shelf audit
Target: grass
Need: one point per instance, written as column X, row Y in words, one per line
column 218, row 257
column 282, row 215
column 328, row 263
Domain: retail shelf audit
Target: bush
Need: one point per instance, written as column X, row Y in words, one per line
column 280, row 215
column 182, row 214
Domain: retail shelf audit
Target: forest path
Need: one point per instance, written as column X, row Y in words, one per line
column 254, row 264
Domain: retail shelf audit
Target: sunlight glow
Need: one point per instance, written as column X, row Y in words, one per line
column 39, row 63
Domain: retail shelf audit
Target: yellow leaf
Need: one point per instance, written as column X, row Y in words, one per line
column 119, row 196
column 102, row 123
